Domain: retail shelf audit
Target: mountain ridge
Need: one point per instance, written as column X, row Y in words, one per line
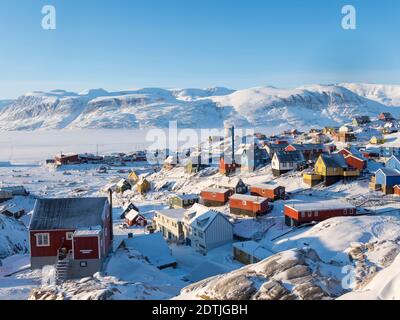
column 265, row 106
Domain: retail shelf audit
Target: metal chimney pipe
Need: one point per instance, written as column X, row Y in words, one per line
column 233, row 144
column 110, row 200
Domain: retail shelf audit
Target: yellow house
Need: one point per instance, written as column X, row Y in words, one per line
column 377, row 140
column 143, row 186
column 330, row 165
column 133, row 177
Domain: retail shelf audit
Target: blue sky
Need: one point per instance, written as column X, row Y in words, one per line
column 123, row 44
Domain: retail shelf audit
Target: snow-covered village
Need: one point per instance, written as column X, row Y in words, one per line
column 295, row 215
column 199, row 158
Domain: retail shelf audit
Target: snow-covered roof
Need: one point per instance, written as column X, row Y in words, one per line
column 320, row 205
column 186, row 196
column 176, row 214
column 265, row 186
column 245, row 197
column 216, row 190
column 69, row 213
column 12, row 209
column 253, row 249
column 228, row 182
column 335, row 160
column 389, row 172
column 131, row 215
column 89, row 232
column 153, row 247
column 292, row 156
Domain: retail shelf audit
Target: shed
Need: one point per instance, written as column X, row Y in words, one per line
column 13, row 211
column 298, row 213
column 268, row 191
column 250, row 252
column 134, row 218
column 215, row 197
column 248, row 205
column 183, row 200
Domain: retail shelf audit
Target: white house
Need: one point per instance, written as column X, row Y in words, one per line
column 206, row 229
column 170, row 224
column 284, row 162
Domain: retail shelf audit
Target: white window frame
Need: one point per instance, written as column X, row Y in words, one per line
column 69, row 235
column 41, row 235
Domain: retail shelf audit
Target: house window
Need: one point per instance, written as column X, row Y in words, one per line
column 69, row 236
column 43, row 240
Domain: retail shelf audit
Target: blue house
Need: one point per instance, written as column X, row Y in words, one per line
column 252, row 157
column 387, row 152
column 387, row 177
column 393, row 163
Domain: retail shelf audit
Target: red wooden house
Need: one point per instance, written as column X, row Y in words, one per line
column 301, row 213
column 134, row 218
column 248, row 205
column 386, row 116
column 74, row 234
column 215, row 197
column 271, row 192
column 227, row 168
column 65, row 159
column 354, row 158
column 310, row 151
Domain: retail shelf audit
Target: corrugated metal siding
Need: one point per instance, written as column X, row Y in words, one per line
column 219, row 233
column 393, row 163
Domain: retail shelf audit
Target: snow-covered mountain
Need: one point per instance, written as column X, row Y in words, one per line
column 316, row 105
column 385, row 94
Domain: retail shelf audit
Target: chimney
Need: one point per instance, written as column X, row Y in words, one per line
column 210, row 151
column 110, row 200
column 233, row 144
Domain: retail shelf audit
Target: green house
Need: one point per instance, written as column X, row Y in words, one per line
column 183, row 201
